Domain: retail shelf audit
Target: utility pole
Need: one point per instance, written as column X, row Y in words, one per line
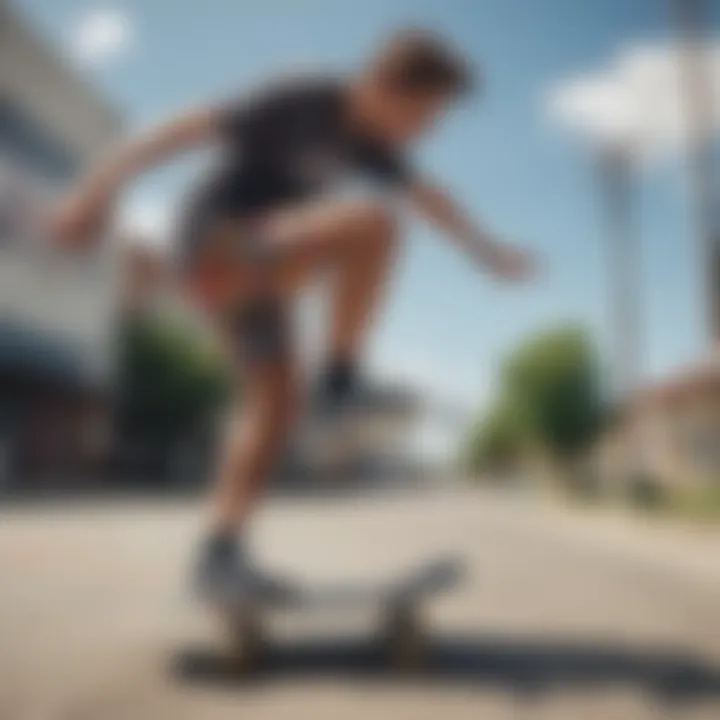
column 692, row 16
column 622, row 266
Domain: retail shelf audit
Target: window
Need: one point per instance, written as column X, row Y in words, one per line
column 28, row 144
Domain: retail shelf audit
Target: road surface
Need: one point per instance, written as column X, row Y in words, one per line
column 564, row 615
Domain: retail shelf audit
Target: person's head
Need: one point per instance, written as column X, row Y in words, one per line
column 409, row 82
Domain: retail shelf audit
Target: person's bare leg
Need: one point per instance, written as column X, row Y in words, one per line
column 252, row 443
column 359, row 280
column 352, row 240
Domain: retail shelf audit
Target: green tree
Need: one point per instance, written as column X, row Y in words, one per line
column 549, row 401
column 169, row 384
column 553, row 380
column 497, row 442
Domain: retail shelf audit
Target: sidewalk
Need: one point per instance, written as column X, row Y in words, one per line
column 692, row 552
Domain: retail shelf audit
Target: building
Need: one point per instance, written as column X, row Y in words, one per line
column 371, row 446
column 56, row 310
column 678, row 423
column 670, row 431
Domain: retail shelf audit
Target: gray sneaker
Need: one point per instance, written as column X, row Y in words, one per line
column 224, row 571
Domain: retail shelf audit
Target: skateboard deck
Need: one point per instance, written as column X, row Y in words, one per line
column 432, row 577
column 397, row 602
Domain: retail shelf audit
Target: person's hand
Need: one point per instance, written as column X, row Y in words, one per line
column 510, row 263
column 80, row 218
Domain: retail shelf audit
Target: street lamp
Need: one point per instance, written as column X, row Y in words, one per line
column 609, row 115
column 622, row 257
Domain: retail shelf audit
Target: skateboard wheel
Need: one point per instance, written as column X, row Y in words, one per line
column 247, row 640
column 405, row 641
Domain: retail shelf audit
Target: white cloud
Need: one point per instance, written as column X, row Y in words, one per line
column 639, row 99
column 102, row 34
column 150, row 222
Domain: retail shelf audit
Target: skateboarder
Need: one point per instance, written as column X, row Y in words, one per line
column 269, row 217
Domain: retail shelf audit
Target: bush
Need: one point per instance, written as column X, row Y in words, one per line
column 646, row 492
column 496, row 444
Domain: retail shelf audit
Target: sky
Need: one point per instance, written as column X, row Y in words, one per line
column 504, row 155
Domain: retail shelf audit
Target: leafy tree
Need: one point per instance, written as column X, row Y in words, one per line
column 554, row 381
column 497, row 441
column 169, row 384
column 549, row 400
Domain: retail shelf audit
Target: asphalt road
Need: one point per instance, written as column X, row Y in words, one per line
column 563, row 615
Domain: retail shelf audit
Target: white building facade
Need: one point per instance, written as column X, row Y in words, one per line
column 56, row 310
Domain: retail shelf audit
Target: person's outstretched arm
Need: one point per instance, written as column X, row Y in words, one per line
column 80, row 217
column 436, row 205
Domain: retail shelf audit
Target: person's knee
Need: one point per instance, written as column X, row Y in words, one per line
column 379, row 220
column 375, row 226
column 277, row 403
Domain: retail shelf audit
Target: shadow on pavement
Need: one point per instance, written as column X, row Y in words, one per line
column 522, row 667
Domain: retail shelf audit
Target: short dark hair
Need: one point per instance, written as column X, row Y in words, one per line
column 419, row 62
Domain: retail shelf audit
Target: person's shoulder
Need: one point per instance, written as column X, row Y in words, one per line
column 298, row 86
column 306, row 85
column 297, row 97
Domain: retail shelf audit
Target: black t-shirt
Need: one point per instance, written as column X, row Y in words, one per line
column 290, row 141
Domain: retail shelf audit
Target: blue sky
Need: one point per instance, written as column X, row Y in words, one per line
column 446, row 325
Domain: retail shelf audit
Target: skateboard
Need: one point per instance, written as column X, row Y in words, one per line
column 398, row 603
